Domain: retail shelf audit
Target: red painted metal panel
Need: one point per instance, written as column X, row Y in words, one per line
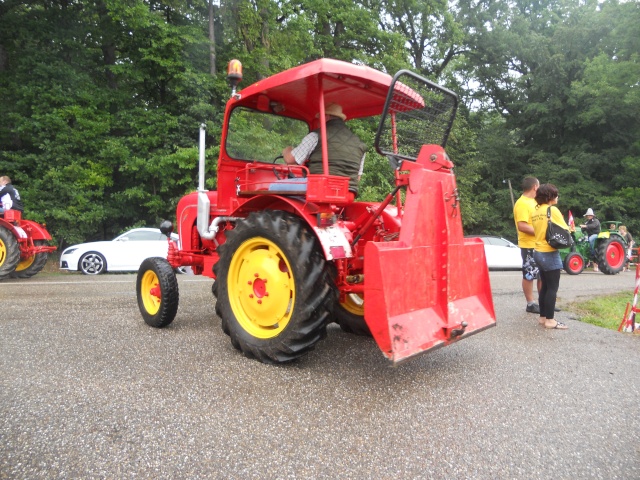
column 360, row 90
column 431, row 287
column 35, row 230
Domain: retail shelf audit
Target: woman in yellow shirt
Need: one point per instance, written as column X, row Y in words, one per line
column 546, row 257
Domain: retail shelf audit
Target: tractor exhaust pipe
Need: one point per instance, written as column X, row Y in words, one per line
column 201, row 151
column 204, row 205
column 207, row 231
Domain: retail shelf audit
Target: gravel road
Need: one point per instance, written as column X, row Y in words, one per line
column 90, row 391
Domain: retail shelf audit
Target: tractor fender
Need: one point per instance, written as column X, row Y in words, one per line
column 334, row 239
column 18, row 232
column 35, row 230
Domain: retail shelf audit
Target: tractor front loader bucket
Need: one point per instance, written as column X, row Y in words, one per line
column 430, row 287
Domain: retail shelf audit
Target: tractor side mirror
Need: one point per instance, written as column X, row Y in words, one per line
column 166, row 227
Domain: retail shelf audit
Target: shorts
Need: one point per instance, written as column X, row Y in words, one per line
column 548, row 261
column 530, row 270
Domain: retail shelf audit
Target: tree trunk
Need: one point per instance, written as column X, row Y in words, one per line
column 212, row 41
column 4, row 59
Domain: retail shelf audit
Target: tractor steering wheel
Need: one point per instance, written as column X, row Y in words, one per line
column 275, row 170
column 289, row 173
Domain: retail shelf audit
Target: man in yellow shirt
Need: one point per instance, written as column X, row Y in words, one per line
column 526, row 240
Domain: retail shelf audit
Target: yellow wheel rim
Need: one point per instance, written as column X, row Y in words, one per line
column 354, row 303
column 3, row 252
column 261, row 288
column 26, row 263
column 150, row 292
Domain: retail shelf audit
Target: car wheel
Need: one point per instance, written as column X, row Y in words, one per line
column 92, row 263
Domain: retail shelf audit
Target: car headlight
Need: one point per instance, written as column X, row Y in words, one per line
column 68, row 251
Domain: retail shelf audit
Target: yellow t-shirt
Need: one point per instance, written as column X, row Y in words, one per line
column 540, row 222
column 522, row 211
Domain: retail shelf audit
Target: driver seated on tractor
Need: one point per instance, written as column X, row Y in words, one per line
column 346, row 152
column 9, row 196
column 591, row 228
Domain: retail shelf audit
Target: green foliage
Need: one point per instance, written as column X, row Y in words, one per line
column 563, row 76
column 102, row 99
column 101, row 103
column 261, row 137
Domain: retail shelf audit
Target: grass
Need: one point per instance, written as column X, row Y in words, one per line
column 604, row 311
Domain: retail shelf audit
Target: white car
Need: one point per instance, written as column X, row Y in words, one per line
column 501, row 253
column 122, row 254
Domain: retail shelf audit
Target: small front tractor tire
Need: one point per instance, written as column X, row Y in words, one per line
column 157, row 292
column 350, row 315
column 574, row 263
column 611, row 254
column 32, row 265
column 273, row 287
column 9, row 252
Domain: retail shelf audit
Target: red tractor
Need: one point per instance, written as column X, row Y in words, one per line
column 287, row 263
column 23, row 246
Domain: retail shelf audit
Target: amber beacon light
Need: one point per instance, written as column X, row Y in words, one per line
column 234, row 74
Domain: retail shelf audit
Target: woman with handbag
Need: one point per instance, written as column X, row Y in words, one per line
column 545, row 255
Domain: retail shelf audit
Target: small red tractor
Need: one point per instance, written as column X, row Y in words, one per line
column 23, row 246
column 287, row 263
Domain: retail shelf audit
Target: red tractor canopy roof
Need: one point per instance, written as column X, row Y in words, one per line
column 360, row 90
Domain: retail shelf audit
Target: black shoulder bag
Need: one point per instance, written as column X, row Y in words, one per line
column 557, row 237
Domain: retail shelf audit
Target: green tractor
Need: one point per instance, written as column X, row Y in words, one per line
column 609, row 248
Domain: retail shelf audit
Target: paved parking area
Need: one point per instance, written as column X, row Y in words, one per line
column 90, row 391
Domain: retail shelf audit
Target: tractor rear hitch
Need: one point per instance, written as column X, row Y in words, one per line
column 456, row 332
column 376, row 214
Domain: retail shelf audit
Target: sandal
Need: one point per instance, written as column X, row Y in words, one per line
column 558, row 326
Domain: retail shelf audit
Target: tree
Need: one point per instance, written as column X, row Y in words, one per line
column 102, row 104
column 548, row 68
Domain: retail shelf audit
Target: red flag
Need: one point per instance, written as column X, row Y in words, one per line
column 571, row 222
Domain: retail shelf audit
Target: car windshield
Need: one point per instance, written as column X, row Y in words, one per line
column 261, row 137
column 498, row 241
column 142, row 235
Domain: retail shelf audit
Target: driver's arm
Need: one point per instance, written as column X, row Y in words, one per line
column 361, row 166
column 288, row 157
column 301, row 153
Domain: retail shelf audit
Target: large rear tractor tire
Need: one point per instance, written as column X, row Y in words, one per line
column 273, row 287
column 350, row 315
column 611, row 254
column 9, row 252
column 32, row 265
column 157, row 292
column 574, row 263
